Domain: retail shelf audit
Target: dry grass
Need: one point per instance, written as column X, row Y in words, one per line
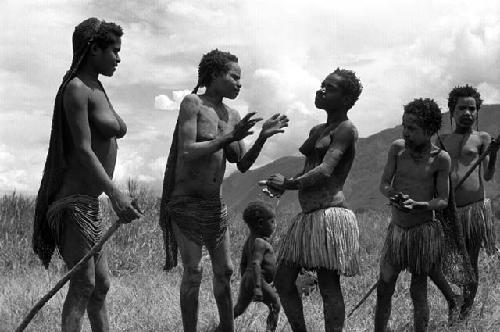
column 144, row 298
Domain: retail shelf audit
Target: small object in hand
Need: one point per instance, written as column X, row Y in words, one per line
column 271, row 192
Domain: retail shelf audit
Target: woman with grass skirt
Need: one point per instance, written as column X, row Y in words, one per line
column 324, row 236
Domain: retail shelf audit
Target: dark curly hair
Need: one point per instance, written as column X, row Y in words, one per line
column 461, row 92
column 427, row 112
column 93, row 30
column 257, row 210
column 350, row 85
column 214, row 62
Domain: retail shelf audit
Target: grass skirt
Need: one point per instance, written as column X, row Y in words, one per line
column 325, row 238
column 476, row 220
column 81, row 209
column 417, row 249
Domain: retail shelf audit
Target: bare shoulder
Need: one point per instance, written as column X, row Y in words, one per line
column 398, row 145
column 76, row 89
column 316, row 128
column 484, row 136
column 233, row 115
column 190, row 105
column 348, row 128
column 442, row 159
column 260, row 244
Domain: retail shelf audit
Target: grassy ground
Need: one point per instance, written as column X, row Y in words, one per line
column 144, row 298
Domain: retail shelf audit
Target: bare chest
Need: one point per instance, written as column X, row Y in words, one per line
column 101, row 116
column 414, row 170
column 464, row 149
column 211, row 125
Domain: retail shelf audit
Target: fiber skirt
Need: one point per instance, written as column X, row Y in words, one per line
column 476, row 220
column 325, row 238
column 417, row 249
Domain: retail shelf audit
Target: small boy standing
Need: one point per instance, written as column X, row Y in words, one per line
column 415, row 179
column 258, row 263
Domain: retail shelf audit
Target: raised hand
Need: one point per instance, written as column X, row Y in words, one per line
column 242, row 128
column 274, row 125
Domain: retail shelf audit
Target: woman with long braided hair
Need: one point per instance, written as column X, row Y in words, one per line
column 79, row 167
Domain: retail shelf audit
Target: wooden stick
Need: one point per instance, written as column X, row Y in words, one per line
column 370, row 291
column 67, row 276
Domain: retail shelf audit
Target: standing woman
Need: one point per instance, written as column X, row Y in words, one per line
column 324, row 237
column 79, row 167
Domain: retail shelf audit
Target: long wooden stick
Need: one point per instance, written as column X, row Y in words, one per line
column 370, row 291
column 67, row 276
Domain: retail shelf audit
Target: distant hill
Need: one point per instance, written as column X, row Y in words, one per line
column 361, row 188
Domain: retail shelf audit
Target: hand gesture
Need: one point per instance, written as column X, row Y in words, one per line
column 274, row 125
column 125, row 208
column 242, row 128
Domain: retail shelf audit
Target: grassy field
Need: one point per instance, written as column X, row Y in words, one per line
column 144, row 298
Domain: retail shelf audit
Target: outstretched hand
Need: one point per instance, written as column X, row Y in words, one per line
column 274, row 125
column 242, row 128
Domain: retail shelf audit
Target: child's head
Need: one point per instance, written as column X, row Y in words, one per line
column 259, row 216
column 212, row 64
column 464, row 102
column 421, row 120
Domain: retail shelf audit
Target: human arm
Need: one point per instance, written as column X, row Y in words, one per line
column 386, row 187
column 236, row 152
column 244, row 260
column 259, row 249
column 489, row 162
column 188, row 127
column 75, row 102
column 345, row 137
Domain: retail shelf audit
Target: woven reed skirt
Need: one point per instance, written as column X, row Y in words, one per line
column 325, row 238
column 477, row 224
column 417, row 249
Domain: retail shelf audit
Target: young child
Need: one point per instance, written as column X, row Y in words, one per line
column 464, row 146
column 415, row 179
column 258, row 263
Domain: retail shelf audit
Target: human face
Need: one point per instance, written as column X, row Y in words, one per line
column 465, row 112
column 228, row 84
column 106, row 60
column 413, row 134
column 267, row 227
column 330, row 95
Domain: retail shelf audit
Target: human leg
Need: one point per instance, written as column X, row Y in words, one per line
column 223, row 269
column 289, row 295
column 82, row 283
column 191, row 279
column 272, row 300
column 96, row 307
column 333, row 301
column 470, row 290
column 385, row 290
column 418, row 292
column 245, row 295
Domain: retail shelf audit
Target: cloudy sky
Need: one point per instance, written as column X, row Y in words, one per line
column 399, row 49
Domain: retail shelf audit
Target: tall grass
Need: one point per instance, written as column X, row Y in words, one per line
column 144, row 298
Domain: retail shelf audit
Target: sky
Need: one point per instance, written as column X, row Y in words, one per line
column 400, row 50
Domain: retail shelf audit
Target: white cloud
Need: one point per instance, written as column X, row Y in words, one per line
column 399, row 49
